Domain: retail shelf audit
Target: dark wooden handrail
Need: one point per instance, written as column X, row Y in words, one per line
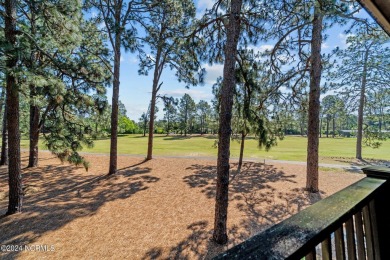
column 354, row 217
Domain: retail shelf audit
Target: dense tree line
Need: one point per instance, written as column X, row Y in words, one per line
column 182, row 117
column 336, row 119
column 55, row 87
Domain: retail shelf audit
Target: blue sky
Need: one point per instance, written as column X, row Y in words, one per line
column 135, row 90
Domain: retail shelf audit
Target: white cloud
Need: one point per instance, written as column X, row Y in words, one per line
column 101, row 26
column 213, row 72
column 134, row 60
column 196, row 94
column 262, row 48
column 325, row 46
column 203, row 4
column 354, row 7
column 129, row 58
column 134, row 111
column 343, row 38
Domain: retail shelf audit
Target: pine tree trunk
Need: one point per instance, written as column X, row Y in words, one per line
column 4, row 141
column 14, row 170
column 168, row 124
column 201, row 125
column 242, row 145
column 156, row 78
column 34, row 136
column 149, row 155
column 115, row 101
column 34, row 110
column 34, row 132
column 2, row 100
column 185, row 120
column 320, row 127
column 314, row 103
column 334, row 127
column 327, row 126
column 359, row 134
column 224, row 131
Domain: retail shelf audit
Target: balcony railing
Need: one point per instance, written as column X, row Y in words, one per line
column 353, row 223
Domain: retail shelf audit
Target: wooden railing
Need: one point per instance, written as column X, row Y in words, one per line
column 353, row 223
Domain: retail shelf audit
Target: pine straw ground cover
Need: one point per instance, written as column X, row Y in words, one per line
column 159, row 209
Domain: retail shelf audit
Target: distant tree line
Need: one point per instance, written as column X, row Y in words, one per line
column 183, row 117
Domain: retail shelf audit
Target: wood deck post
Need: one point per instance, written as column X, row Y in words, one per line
column 380, row 208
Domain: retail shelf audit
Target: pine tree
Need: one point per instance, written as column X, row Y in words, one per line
column 332, row 106
column 221, row 31
column 170, row 112
column 256, row 90
column 12, row 103
column 167, row 24
column 224, row 131
column 187, row 108
column 204, row 110
column 4, row 132
column 3, row 107
column 144, row 119
column 40, row 41
column 314, row 101
column 298, row 27
column 99, row 119
column 379, row 107
column 61, row 72
column 118, row 18
column 364, row 68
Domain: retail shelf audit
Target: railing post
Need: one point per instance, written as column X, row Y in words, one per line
column 382, row 199
column 298, row 236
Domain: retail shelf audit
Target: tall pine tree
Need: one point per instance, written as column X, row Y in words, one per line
column 12, row 91
column 166, row 24
column 57, row 68
column 298, row 27
column 363, row 69
column 119, row 18
column 216, row 38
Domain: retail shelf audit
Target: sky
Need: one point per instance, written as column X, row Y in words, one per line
column 135, row 90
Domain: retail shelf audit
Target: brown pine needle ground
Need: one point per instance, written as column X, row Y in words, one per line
column 159, row 209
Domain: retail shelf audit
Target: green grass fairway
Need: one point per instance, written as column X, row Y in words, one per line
column 292, row 148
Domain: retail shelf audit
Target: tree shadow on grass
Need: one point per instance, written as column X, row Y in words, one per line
column 177, row 137
column 252, row 176
column 361, row 162
column 57, row 195
column 134, row 165
column 197, row 245
column 189, row 136
column 354, row 169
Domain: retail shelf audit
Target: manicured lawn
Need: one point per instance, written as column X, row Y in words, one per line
column 291, row 148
